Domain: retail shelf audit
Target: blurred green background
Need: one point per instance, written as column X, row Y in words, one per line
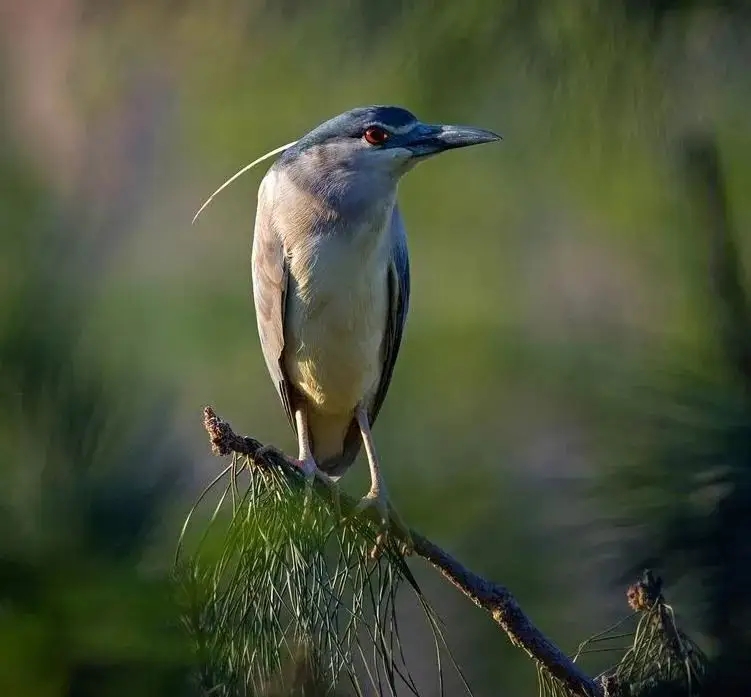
column 564, row 409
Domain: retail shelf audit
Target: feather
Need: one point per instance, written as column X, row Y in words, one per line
column 239, row 173
column 399, row 291
column 270, row 271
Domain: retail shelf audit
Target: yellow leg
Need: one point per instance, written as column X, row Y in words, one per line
column 377, row 497
column 306, row 462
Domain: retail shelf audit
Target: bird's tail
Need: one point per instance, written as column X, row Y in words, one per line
column 336, row 442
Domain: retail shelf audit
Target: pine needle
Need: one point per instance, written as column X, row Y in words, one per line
column 278, row 593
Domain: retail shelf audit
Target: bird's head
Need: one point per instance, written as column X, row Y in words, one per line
column 380, row 140
column 358, row 157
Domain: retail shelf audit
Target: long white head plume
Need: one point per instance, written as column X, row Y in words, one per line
column 269, row 154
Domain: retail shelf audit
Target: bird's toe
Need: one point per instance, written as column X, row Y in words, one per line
column 391, row 525
column 311, row 473
column 376, row 502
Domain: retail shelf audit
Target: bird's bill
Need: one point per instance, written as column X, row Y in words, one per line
column 430, row 140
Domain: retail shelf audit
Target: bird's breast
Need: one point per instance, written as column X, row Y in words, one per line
column 336, row 319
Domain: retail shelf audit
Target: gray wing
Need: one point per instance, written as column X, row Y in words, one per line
column 270, row 273
column 398, row 280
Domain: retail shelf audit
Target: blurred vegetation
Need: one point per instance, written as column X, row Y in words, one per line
column 694, row 444
column 84, row 481
column 565, row 408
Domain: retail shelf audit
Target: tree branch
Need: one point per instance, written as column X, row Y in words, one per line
column 492, row 597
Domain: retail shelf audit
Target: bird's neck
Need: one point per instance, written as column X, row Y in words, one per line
column 344, row 203
column 357, row 197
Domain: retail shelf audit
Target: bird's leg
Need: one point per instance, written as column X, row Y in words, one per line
column 306, row 462
column 378, row 497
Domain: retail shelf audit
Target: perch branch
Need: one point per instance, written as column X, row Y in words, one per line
column 492, row 597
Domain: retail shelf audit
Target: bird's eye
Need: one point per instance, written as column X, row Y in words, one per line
column 375, row 135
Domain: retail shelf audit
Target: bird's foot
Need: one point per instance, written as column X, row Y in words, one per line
column 391, row 523
column 311, row 473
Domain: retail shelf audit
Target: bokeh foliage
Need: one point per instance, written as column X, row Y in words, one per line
column 84, row 480
column 562, row 305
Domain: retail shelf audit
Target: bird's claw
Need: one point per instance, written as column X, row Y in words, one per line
column 311, row 473
column 390, row 522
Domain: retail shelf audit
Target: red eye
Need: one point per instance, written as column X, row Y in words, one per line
column 376, row 136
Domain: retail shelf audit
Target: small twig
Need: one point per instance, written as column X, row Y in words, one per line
column 224, row 441
column 492, row 597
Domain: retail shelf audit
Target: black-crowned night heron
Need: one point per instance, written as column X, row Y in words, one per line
column 331, row 279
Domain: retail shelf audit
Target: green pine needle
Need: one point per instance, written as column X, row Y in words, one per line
column 282, row 597
column 662, row 659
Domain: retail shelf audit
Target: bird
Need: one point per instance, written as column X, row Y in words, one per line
column 331, row 281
